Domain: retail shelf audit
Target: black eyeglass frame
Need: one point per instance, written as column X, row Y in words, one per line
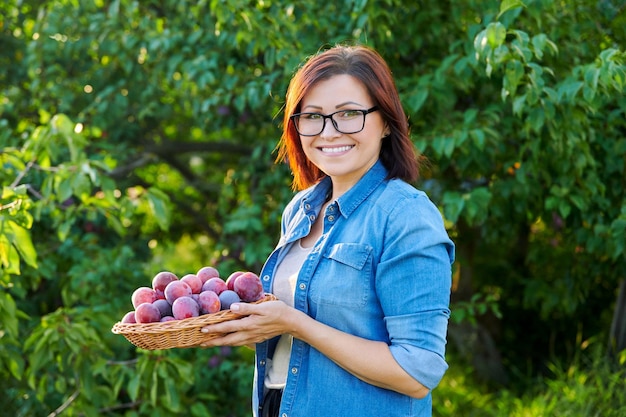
column 330, row 116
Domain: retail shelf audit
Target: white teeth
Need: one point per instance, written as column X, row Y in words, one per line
column 337, row 150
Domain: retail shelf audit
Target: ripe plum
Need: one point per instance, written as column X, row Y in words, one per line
column 209, row 302
column 248, row 287
column 165, row 308
column 227, row 298
column 147, row 313
column 184, row 308
column 129, row 317
column 215, row 284
column 142, row 295
column 230, row 281
column 207, row 272
column 177, row 289
column 194, row 282
column 160, row 280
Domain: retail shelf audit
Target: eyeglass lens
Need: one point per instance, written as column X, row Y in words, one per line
column 344, row 121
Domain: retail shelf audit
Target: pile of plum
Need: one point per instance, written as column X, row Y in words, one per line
column 204, row 292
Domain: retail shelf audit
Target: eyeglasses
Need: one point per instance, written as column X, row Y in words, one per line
column 344, row 121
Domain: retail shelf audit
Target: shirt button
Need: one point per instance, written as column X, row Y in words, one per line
column 262, row 362
column 294, row 370
column 331, row 209
column 331, row 218
column 266, row 278
column 312, row 217
column 307, row 206
column 302, row 286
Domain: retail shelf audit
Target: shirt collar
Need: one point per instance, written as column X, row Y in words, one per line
column 349, row 201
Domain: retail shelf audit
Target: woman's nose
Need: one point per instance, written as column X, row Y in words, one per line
column 329, row 130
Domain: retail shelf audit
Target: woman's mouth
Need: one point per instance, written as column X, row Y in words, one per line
column 336, row 149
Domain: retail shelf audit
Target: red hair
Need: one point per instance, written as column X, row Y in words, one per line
column 397, row 154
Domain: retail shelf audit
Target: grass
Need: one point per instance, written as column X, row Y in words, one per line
column 592, row 386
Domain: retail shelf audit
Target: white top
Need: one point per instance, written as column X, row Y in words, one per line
column 284, row 286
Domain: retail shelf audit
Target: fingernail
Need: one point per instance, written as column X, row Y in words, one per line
column 234, row 307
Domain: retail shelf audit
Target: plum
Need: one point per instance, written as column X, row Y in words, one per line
column 209, row 302
column 230, row 281
column 248, row 287
column 207, row 272
column 177, row 289
column 165, row 308
column 184, row 308
column 194, row 282
column 129, row 317
column 227, row 298
column 215, row 284
column 160, row 280
column 142, row 295
column 147, row 313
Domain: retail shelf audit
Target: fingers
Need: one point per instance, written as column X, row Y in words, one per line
column 219, row 341
column 225, row 326
column 258, row 322
column 233, row 334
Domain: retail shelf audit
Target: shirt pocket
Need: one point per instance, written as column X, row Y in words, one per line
column 344, row 276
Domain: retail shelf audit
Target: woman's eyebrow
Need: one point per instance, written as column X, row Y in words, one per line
column 345, row 103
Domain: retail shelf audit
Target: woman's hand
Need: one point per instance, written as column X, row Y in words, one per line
column 259, row 322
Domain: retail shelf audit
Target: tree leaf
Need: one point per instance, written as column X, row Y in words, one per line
column 496, row 34
column 159, row 205
column 507, row 5
column 23, row 243
column 453, row 204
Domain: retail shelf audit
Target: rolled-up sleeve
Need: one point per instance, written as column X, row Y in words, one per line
column 423, row 360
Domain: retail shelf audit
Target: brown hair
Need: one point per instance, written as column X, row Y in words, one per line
column 397, row 154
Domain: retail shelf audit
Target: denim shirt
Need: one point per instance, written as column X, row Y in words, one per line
column 381, row 270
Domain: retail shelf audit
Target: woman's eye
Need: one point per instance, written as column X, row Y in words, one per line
column 312, row 116
column 346, row 114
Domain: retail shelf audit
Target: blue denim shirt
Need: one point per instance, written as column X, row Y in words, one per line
column 381, row 270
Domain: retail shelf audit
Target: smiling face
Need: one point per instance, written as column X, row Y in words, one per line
column 345, row 158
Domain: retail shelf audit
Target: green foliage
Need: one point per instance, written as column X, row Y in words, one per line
column 15, row 241
column 140, row 136
column 469, row 311
column 589, row 386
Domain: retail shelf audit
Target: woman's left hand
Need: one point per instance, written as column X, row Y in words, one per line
column 259, row 322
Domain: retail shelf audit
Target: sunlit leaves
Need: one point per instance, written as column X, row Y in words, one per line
column 160, row 207
column 507, row 5
column 15, row 240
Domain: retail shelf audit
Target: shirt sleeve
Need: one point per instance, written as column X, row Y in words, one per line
column 413, row 283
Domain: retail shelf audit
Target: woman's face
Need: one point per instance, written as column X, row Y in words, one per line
column 343, row 157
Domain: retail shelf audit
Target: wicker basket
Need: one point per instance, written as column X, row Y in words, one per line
column 176, row 333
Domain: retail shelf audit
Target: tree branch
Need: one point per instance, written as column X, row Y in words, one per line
column 66, row 404
column 124, row 170
column 166, row 149
column 22, row 173
column 169, row 147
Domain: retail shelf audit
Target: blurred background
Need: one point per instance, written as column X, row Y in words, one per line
column 139, row 136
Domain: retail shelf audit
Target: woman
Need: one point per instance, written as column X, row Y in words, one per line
column 362, row 269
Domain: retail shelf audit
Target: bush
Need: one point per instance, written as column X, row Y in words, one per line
column 590, row 386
